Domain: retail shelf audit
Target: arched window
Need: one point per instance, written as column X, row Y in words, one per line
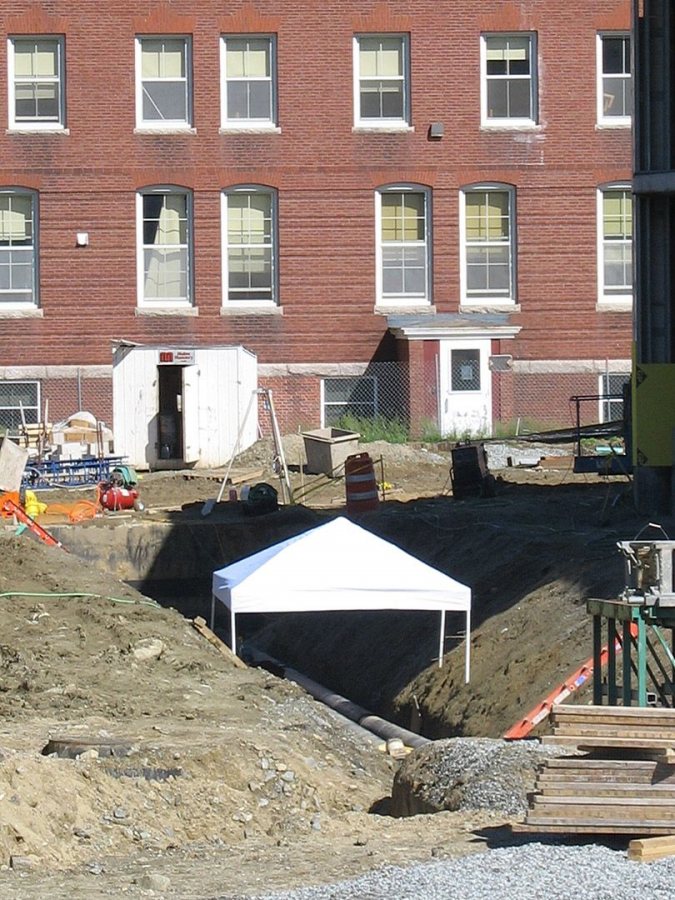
column 615, row 244
column 488, row 244
column 18, row 249
column 164, row 224
column 402, row 245
column 249, row 245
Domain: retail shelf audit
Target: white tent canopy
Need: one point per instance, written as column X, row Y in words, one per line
column 338, row 566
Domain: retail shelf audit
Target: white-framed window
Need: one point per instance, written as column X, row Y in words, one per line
column 248, row 81
column 19, row 403
column 615, row 85
column 615, row 244
column 163, row 82
column 381, row 80
column 348, row 395
column 611, row 393
column 36, row 81
column 249, row 246
column 402, row 218
column 488, row 245
column 18, row 249
column 508, row 80
column 164, row 224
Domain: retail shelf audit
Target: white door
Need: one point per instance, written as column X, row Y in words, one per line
column 466, row 388
column 190, row 413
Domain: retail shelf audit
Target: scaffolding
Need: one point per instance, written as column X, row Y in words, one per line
column 639, row 625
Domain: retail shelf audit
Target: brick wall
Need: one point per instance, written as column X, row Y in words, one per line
column 325, row 175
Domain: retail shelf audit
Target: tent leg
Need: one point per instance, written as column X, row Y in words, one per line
column 233, row 633
column 441, row 640
column 467, row 649
column 213, row 611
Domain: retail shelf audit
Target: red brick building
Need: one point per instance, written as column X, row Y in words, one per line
column 419, row 209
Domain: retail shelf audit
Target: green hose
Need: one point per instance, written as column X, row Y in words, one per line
column 144, row 602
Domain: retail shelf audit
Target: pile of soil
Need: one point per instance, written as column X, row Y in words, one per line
column 227, row 779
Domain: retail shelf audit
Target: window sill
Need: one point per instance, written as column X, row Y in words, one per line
column 620, row 306
column 38, row 129
column 510, row 126
column 489, row 306
column 620, row 125
column 249, row 129
column 390, row 128
column 392, row 309
column 166, row 311
column 32, row 312
column 176, row 129
column 251, row 309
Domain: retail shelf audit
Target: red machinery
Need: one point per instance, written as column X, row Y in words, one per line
column 119, row 491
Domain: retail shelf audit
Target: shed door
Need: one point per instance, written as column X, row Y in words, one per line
column 190, row 413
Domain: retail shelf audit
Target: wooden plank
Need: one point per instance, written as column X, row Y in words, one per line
column 200, row 625
column 585, row 743
column 653, row 732
column 575, row 762
column 608, row 789
column 646, row 849
column 564, row 826
column 608, row 712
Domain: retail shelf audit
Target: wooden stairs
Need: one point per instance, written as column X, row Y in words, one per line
column 622, row 781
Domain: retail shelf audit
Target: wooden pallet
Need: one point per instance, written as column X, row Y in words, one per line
column 625, row 784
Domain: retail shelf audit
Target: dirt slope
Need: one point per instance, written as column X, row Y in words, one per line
column 235, row 780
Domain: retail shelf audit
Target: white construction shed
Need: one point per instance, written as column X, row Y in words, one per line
column 339, row 566
column 183, row 407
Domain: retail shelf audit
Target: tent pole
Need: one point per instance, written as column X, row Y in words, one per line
column 213, row 610
column 441, row 640
column 467, row 649
column 233, row 633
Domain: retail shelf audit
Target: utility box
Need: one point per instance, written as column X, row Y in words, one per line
column 327, row 449
column 469, row 472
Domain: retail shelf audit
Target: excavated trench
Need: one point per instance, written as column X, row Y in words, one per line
column 172, row 562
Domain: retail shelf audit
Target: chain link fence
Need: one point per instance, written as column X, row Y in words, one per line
column 381, row 400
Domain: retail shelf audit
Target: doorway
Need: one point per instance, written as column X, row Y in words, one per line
column 465, row 388
column 170, row 412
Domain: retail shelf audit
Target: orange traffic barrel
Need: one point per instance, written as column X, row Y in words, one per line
column 360, row 484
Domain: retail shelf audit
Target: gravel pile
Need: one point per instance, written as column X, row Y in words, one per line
column 470, row 773
column 533, row 871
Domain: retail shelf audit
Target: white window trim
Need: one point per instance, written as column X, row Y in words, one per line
column 603, row 120
column 396, row 124
column 33, row 303
column 164, row 304
column 601, row 391
column 411, row 301
column 248, row 125
column 611, row 302
column 510, row 123
column 487, row 300
column 13, row 124
column 165, row 126
column 230, row 304
column 372, row 378
column 38, row 406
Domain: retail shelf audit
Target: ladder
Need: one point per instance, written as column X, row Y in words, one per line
column 579, row 677
column 9, row 506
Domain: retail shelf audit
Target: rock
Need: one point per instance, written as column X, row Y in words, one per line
column 152, row 881
column 95, row 868
column 148, row 648
column 120, row 813
column 22, row 863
